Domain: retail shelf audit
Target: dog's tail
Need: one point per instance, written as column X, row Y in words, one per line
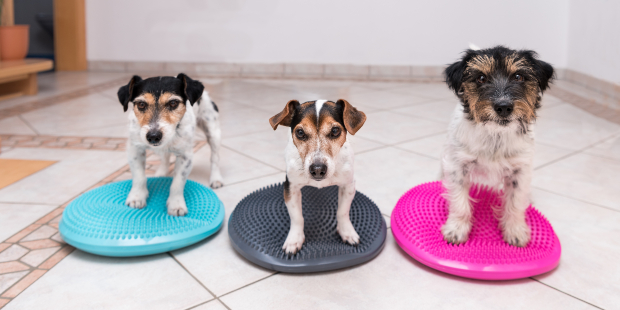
column 206, row 105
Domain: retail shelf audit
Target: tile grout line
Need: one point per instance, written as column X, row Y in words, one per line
column 565, row 293
column 202, row 303
column 21, row 117
column 199, row 282
column 254, row 178
column 248, row 156
column 575, row 152
column 576, row 199
column 244, row 286
column 64, row 249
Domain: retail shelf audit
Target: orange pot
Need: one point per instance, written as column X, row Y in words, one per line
column 13, row 42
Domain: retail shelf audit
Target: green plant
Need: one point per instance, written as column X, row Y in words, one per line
column 1, row 7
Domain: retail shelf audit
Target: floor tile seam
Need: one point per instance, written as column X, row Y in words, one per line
column 565, row 293
column 391, row 109
column 250, row 157
column 246, row 134
column 107, row 179
column 417, row 138
column 34, row 268
column 397, row 145
column 551, row 145
column 206, row 302
column 250, row 284
column 18, row 281
column 254, row 178
column 371, row 149
column 414, row 152
column 577, row 199
column 21, row 117
column 215, row 297
column 593, row 145
column 576, row 152
column 51, row 100
column 416, row 117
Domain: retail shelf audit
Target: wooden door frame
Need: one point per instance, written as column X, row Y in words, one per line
column 70, row 35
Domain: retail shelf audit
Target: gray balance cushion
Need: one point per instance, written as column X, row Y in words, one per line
column 259, row 225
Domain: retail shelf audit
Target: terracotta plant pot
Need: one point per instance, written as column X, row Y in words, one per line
column 13, row 42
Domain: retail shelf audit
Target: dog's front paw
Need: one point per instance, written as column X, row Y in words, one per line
column 456, row 231
column 137, row 198
column 176, row 206
column 348, row 233
column 517, row 234
column 216, row 184
column 294, row 242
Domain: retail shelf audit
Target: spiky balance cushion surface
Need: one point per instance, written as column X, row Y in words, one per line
column 99, row 222
column 421, row 212
column 260, row 223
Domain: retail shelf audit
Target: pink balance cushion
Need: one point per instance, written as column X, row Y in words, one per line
column 416, row 225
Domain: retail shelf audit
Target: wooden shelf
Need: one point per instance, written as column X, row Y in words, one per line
column 19, row 77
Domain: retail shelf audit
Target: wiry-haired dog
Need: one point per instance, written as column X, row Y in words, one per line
column 491, row 136
column 162, row 121
column 318, row 154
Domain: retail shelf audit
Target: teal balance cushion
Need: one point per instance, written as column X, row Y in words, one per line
column 99, row 222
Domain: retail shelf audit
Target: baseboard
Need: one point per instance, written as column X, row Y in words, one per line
column 283, row 70
column 609, row 92
column 603, row 87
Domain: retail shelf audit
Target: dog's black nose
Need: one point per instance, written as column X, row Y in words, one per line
column 318, row 171
column 503, row 108
column 154, row 137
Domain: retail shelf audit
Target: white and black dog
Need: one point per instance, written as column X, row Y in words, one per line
column 491, row 136
column 318, row 154
column 162, row 121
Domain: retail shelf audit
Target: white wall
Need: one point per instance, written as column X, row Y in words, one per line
column 594, row 38
column 386, row 32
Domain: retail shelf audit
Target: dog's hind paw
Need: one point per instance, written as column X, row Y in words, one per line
column 517, row 234
column 216, row 184
column 456, row 231
column 176, row 206
column 137, row 199
column 294, row 242
column 348, row 233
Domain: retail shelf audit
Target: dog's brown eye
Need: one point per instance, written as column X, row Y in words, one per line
column 335, row 133
column 481, row 79
column 141, row 105
column 301, row 135
column 173, row 104
column 518, row 77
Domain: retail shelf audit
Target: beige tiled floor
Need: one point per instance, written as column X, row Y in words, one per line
column 575, row 186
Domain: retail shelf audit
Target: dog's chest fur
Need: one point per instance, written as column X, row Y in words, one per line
column 489, row 152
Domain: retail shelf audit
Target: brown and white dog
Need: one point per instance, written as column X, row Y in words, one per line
column 161, row 120
column 318, row 154
column 491, row 136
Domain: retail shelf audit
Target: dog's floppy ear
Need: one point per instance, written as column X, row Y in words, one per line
column 285, row 117
column 543, row 71
column 455, row 73
column 353, row 119
column 193, row 89
column 125, row 93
